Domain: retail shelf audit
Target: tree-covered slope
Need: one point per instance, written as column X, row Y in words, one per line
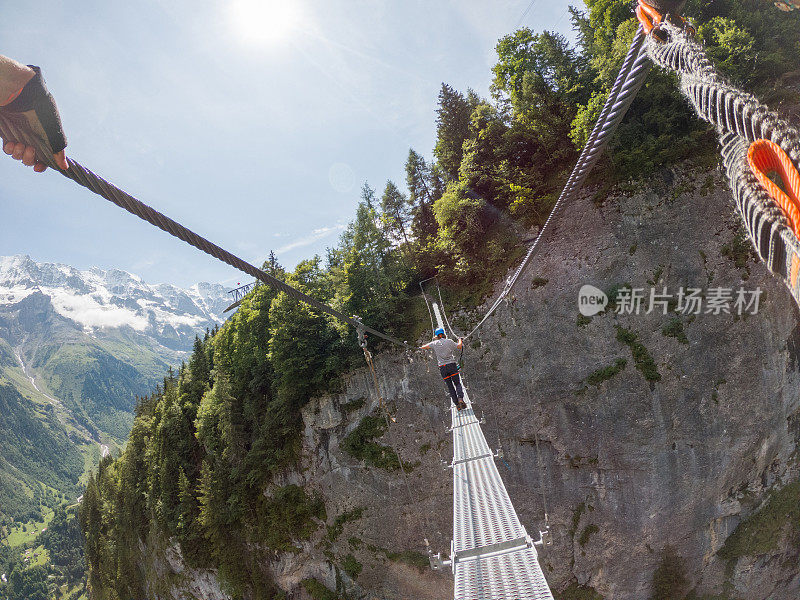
column 34, row 450
column 97, row 387
column 77, row 348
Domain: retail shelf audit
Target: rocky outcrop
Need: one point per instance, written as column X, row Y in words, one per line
column 675, row 446
column 168, row 577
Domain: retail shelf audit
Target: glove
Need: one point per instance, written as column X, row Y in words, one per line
column 38, row 107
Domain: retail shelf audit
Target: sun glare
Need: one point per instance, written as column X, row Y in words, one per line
column 265, row 21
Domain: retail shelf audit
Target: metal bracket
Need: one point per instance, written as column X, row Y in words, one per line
column 545, row 537
column 493, row 549
column 660, row 33
column 361, row 333
column 466, row 460
column 436, row 561
column 460, row 425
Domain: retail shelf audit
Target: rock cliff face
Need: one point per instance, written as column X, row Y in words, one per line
column 675, row 446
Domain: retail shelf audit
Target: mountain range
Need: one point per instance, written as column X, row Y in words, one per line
column 76, row 350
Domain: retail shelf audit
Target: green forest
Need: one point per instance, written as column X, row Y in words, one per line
column 207, row 443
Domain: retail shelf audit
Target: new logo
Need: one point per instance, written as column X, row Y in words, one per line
column 591, row 300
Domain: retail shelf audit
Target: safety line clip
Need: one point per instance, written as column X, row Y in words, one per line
column 361, row 333
column 652, row 22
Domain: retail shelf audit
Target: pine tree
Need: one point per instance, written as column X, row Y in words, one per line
column 452, row 128
column 92, row 525
column 190, row 532
column 395, row 212
column 194, row 382
column 417, row 174
column 272, row 267
column 368, row 196
column 421, row 196
column 211, row 515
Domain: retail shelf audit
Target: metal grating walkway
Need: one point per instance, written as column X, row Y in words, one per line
column 492, row 556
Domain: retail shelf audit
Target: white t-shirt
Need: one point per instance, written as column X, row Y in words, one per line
column 445, row 350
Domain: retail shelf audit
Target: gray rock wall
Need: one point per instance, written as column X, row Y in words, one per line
column 627, row 466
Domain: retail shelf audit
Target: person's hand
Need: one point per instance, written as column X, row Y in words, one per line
column 23, row 92
column 27, row 154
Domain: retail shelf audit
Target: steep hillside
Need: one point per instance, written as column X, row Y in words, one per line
column 90, row 342
column 693, row 439
column 35, row 451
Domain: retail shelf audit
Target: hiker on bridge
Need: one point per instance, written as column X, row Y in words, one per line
column 445, row 351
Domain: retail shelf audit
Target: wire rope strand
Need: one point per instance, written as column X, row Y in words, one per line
column 631, row 76
column 14, row 129
column 453, row 332
column 741, row 121
column 427, row 305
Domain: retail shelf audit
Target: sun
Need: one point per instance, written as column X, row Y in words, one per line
column 265, row 22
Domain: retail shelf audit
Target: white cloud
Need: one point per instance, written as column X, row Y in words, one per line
column 309, row 239
column 91, row 314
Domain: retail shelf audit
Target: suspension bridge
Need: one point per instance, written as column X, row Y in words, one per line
column 491, row 555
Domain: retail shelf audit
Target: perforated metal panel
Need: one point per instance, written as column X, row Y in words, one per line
column 493, row 556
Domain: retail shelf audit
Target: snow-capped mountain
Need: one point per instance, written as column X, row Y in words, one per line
column 77, row 348
column 100, row 300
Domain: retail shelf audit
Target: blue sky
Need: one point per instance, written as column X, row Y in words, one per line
column 258, row 139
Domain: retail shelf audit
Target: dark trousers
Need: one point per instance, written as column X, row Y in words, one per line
column 453, row 381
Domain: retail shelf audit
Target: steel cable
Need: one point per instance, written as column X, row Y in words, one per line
column 631, row 76
column 17, row 130
column 729, row 109
column 741, row 120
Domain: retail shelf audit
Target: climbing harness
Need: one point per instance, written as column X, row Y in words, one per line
column 757, row 145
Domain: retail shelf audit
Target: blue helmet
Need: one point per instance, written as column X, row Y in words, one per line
column 438, row 332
